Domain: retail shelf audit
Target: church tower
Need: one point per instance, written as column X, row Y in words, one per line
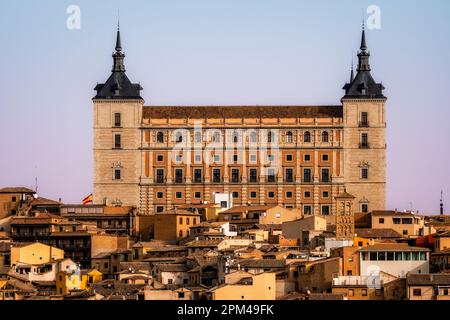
column 117, row 119
column 345, row 217
column 364, row 137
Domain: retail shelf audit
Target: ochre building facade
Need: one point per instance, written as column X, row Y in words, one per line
column 294, row 156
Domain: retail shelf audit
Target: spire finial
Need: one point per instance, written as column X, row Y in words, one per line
column 352, row 75
column 363, row 37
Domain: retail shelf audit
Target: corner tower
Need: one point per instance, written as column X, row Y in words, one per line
column 117, row 120
column 364, row 137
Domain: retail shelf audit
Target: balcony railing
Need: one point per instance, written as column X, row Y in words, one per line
column 363, row 124
column 364, row 145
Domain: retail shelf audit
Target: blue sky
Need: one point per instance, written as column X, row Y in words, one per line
column 214, row 52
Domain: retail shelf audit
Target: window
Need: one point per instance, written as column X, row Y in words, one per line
column 198, row 137
column 364, row 292
column 188, row 222
column 179, row 137
column 197, row 195
column 271, row 175
column 216, row 175
column 117, row 120
column 180, row 295
column 325, row 210
column 179, row 195
column 364, row 208
column 364, row 119
column 253, row 158
column 217, row 158
column 216, row 137
column 289, row 137
column 159, row 209
column 160, row 195
column 381, row 220
column 160, row 158
column 307, row 194
column 223, row 204
column 307, row 175
column 364, row 173
column 180, row 220
column 307, row 137
column 235, row 137
column 325, row 194
column 198, row 175
column 179, row 175
column 270, row 137
column 325, row 157
column 271, row 194
column 253, row 175
column 325, row 136
column 235, row 157
column 325, row 175
column 307, row 210
column 405, row 232
column 170, row 281
column 117, row 141
column 160, row 176
column 390, row 256
column 351, row 292
column 289, row 175
column 270, row 157
column 235, row 176
column 117, row 174
column 253, row 137
column 13, row 199
column 253, row 195
column 198, row 158
column 417, row 292
column 235, row 194
column 307, row 157
column 289, row 194
column 289, row 157
column 160, row 137
column 364, row 141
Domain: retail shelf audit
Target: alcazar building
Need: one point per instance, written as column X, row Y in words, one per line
column 160, row 157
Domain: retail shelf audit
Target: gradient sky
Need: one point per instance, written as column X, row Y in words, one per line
column 200, row 52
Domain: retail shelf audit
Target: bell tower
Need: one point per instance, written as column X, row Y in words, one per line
column 117, row 119
column 345, row 217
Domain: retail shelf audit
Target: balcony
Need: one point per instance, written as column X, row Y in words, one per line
column 363, row 124
column 364, row 145
column 236, row 180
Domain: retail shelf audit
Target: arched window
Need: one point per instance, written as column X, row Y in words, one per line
column 325, row 136
column 307, row 137
column 179, row 137
column 235, row 137
column 269, row 136
column 160, row 137
column 253, row 137
column 216, row 137
column 289, row 137
column 198, row 137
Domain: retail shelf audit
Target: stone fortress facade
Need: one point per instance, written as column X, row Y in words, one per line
column 159, row 157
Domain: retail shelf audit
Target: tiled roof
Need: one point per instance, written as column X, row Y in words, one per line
column 44, row 201
column 428, row 279
column 217, row 112
column 393, row 213
column 240, row 209
column 5, row 246
column 16, row 190
column 204, row 243
column 169, row 267
column 260, row 263
column 393, row 247
column 377, row 233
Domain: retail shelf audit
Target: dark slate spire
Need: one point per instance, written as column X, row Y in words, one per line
column 352, row 74
column 363, row 85
column 118, row 86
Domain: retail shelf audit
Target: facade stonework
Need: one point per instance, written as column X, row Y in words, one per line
column 319, row 150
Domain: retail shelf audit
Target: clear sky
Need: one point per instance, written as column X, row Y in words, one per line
column 215, row 52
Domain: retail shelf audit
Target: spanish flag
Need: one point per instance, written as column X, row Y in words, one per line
column 88, row 199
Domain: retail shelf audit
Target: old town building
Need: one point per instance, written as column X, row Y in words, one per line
column 158, row 157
